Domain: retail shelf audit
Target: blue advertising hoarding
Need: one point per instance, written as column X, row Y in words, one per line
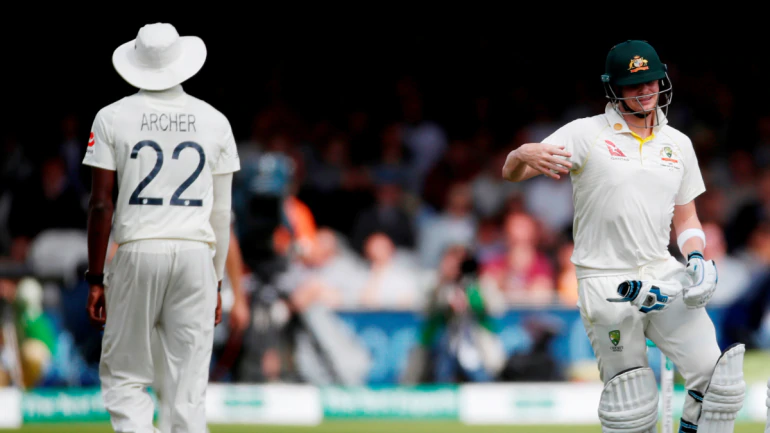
column 391, row 335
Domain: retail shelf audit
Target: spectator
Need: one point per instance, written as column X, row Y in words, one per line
column 336, row 189
column 71, row 151
column 744, row 317
column 36, row 334
column 490, row 190
column 456, row 224
column 459, row 340
column 332, row 274
column 393, row 164
column 297, row 233
column 743, row 179
column 426, row 140
column 386, row 216
column 566, row 279
column 537, row 364
column 712, row 206
column 734, row 277
column 557, row 212
column 459, row 164
column 523, row 274
column 490, row 242
column 388, row 285
column 755, row 208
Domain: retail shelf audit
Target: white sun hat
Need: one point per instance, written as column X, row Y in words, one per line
column 159, row 58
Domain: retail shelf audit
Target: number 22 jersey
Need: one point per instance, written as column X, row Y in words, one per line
column 166, row 147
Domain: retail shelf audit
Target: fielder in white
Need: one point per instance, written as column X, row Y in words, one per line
column 174, row 156
column 632, row 176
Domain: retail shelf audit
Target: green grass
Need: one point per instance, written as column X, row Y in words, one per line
column 361, row 427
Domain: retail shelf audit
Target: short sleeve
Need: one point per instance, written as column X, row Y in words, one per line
column 573, row 137
column 100, row 150
column 227, row 161
column 692, row 181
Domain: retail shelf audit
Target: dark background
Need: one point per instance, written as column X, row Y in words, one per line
column 329, row 64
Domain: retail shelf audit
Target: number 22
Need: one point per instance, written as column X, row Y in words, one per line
column 175, row 200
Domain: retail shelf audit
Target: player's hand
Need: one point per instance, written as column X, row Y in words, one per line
column 648, row 296
column 545, row 158
column 97, row 311
column 239, row 315
column 703, row 280
column 218, row 311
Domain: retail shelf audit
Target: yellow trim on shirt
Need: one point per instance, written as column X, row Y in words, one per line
column 642, row 140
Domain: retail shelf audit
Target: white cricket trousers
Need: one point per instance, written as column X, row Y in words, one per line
column 618, row 331
column 159, row 364
column 169, row 286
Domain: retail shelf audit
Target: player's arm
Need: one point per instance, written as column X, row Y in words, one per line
column 692, row 241
column 220, row 224
column 532, row 159
column 220, row 220
column 686, row 223
column 100, row 209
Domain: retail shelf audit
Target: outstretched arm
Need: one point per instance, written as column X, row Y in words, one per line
column 532, row 159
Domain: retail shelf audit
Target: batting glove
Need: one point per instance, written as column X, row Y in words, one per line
column 647, row 296
column 703, row 280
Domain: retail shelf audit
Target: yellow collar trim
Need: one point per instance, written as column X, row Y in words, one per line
column 642, row 140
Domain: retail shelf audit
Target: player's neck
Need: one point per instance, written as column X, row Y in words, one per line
column 641, row 127
column 172, row 92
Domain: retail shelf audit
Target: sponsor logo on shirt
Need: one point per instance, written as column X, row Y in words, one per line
column 91, row 142
column 615, row 152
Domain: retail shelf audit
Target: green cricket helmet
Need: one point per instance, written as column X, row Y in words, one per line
column 631, row 63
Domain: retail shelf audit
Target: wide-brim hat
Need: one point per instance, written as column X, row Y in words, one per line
column 159, row 58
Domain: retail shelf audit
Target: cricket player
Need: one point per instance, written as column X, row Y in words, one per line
column 633, row 175
column 174, row 156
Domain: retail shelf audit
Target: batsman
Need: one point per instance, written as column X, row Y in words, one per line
column 633, row 175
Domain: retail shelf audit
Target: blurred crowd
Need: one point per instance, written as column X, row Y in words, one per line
column 359, row 212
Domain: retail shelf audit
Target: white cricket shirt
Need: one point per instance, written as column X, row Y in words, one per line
column 165, row 147
column 624, row 190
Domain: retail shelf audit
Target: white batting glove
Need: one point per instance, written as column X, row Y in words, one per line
column 648, row 296
column 703, row 280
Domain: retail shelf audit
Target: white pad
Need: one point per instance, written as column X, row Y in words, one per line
column 629, row 402
column 724, row 396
